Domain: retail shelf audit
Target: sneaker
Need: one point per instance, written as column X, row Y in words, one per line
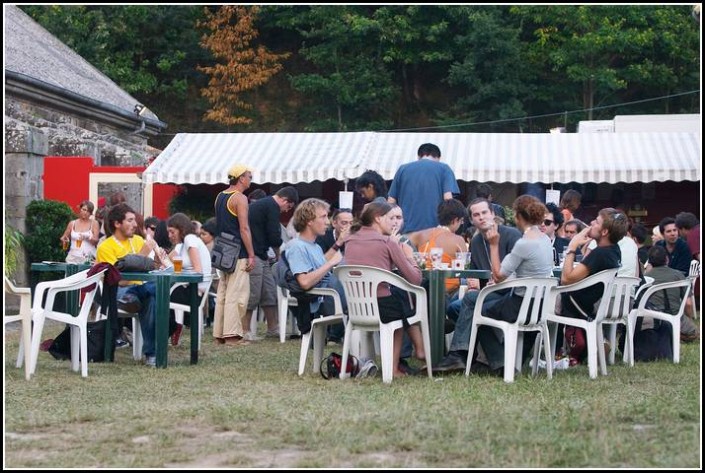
column 150, row 361
column 484, row 370
column 405, row 368
column 452, row 362
column 176, row 336
column 127, row 335
column 369, row 369
column 272, row 333
column 251, row 337
column 120, row 343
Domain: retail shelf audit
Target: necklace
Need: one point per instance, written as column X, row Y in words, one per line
column 443, row 227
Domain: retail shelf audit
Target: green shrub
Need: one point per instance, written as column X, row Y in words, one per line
column 46, row 222
column 14, row 240
column 195, row 201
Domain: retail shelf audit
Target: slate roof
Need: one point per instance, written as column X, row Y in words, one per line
column 33, row 51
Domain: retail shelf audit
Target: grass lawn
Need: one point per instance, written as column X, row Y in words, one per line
column 245, row 407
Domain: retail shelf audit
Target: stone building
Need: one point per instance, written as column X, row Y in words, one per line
column 58, row 104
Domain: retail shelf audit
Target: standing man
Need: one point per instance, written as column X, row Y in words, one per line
column 419, row 187
column 122, row 224
column 679, row 255
column 266, row 233
column 234, row 288
column 462, row 310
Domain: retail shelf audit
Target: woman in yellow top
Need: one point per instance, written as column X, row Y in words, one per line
column 451, row 215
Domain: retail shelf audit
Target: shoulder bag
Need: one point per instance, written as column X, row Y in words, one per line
column 226, row 251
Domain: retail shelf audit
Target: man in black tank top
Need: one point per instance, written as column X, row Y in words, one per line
column 231, row 212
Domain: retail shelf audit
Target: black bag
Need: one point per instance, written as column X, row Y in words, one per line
column 653, row 344
column 286, row 279
column 330, row 366
column 134, row 263
column 226, row 252
column 61, row 346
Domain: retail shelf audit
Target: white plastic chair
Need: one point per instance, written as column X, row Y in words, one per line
column 593, row 328
column 674, row 320
column 79, row 332
column 360, row 285
column 318, row 330
column 618, row 311
column 693, row 275
column 25, row 318
column 284, row 302
column 534, row 320
column 137, row 341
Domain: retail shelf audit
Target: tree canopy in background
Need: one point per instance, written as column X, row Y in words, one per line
column 333, row 68
column 241, row 67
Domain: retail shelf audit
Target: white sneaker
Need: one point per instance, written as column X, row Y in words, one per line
column 252, row 337
column 369, row 369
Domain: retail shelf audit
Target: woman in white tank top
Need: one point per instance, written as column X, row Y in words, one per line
column 81, row 235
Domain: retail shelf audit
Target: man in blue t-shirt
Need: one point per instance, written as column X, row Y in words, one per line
column 419, row 187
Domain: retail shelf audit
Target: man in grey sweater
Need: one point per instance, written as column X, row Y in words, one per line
column 482, row 217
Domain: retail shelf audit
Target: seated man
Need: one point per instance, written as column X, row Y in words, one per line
column 606, row 230
column 122, row 224
column 462, row 310
column 661, row 272
column 311, row 267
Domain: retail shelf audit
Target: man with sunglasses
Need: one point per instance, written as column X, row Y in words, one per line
column 552, row 221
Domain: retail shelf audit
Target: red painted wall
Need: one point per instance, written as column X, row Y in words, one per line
column 66, row 179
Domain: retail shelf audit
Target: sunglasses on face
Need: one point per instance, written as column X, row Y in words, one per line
column 548, row 222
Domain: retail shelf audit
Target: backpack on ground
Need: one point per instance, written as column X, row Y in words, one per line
column 61, row 346
column 331, row 365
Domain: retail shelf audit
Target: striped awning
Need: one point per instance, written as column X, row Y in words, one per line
column 550, row 158
column 204, row 158
column 193, row 158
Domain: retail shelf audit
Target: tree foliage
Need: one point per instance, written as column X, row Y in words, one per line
column 363, row 67
column 244, row 66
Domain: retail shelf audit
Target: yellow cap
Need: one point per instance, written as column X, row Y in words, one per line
column 238, row 170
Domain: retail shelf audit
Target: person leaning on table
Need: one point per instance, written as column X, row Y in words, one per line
column 122, row 241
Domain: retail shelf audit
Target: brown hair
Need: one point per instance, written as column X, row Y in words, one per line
column 571, row 200
column 88, row 204
column 615, row 222
column 182, row 223
column 370, row 212
column 530, row 208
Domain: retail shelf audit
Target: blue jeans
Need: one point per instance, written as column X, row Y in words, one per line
column 463, row 324
column 145, row 293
